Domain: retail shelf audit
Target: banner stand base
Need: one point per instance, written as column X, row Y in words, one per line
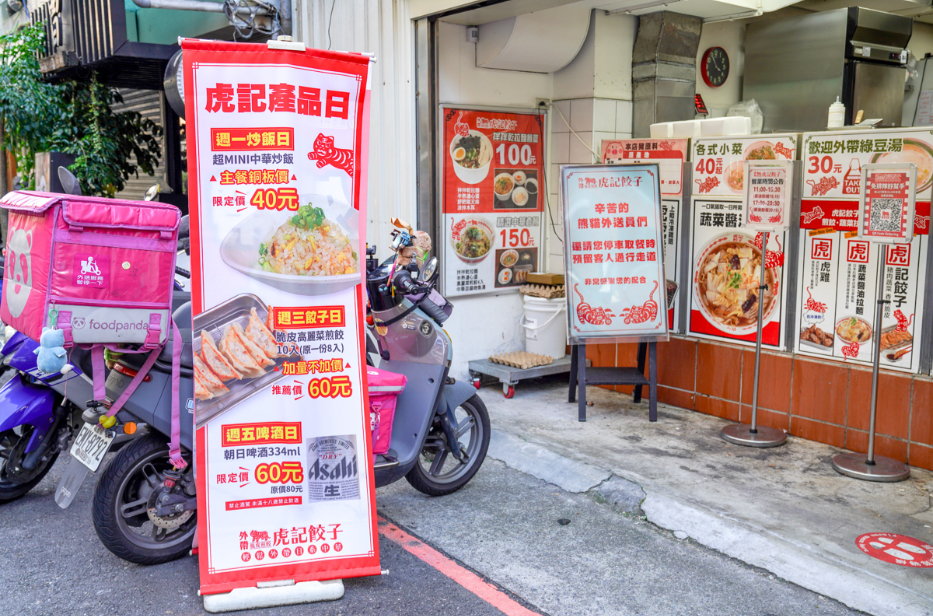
column 273, row 596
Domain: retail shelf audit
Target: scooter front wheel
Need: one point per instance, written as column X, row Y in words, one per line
column 123, row 511
column 15, row 480
column 438, row 472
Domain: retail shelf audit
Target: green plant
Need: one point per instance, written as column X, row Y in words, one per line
column 103, row 141
column 71, row 117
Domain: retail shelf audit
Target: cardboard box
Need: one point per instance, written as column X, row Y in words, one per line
column 539, row 278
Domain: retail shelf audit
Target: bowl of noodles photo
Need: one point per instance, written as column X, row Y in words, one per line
column 726, row 284
column 912, row 151
column 853, row 329
column 309, row 251
column 471, row 156
column 472, row 239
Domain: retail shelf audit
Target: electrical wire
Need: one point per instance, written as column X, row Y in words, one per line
column 547, row 194
column 595, row 155
column 330, row 20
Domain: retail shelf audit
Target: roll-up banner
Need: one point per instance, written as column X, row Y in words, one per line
column 839, row 277
column 277, row 145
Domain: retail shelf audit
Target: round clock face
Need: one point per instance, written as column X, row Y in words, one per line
column 715, row 66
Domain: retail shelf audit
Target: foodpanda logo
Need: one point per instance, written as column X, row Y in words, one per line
column 115, row 325
column 78, row 322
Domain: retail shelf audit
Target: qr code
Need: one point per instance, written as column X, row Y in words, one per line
column 886, row 214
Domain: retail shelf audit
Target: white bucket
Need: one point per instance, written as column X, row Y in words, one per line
column 545, row 326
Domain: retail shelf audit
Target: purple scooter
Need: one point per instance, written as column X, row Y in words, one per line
column 36, row 423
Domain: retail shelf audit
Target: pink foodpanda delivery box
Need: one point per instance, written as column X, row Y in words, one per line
column 103, row 269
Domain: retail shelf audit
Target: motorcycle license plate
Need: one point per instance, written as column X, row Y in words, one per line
column 91, row 445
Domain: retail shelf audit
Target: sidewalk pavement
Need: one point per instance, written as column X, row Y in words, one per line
column 783, row 509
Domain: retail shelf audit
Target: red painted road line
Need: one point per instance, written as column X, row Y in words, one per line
column 469, row 580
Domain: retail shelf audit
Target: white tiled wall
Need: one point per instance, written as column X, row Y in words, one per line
column 592, row 119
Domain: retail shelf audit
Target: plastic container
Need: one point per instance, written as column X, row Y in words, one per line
column 106, row 266
column 837, row 115
column 384, row 389
column 545, row 326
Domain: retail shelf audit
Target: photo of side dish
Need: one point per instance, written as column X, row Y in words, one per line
column 514, row 265
column 735, row 176
column 509, row 258
column 853, row 329
column 817, row 336
column 727, row 282
column 515, row 189
column 235, row 354
column 239, row 354
column 891, row 338
column 760, row 150
column 312, row 250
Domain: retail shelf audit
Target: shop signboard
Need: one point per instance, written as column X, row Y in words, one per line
column 493, row 196
column 277, row 153
column 614, row 258
column 670, row 155
column 839, row 273
column 725, row 252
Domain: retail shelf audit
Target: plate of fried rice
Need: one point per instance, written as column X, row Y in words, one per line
column 313, row 250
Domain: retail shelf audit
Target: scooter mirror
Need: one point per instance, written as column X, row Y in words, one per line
column 429, row 273
column 69, row 182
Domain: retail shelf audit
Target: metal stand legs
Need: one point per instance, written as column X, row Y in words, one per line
column 754, row 435
column 868, row 466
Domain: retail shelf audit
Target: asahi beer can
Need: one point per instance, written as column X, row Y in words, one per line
column 333, row 472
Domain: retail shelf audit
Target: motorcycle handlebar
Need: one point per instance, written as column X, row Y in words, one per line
column 404, row 283
column 433, row 310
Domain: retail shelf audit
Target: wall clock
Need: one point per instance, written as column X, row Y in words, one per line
column 715, row 66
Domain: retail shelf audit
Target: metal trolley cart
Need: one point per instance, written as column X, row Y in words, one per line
column 509, row 376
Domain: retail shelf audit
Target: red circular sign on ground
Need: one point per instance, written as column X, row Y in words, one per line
column 897, row 549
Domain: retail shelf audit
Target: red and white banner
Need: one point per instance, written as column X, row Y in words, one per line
column 277, row 145
column 493, row 193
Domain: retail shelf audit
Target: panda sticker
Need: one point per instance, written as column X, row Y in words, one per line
column 19, row 271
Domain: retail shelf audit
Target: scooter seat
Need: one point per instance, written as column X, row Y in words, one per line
column 165, row 357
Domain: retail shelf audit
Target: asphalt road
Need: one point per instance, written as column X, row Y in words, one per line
column 503, row 526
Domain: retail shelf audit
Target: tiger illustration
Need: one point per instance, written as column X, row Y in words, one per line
column 326, row 154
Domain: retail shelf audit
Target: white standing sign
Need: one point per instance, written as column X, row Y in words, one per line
column 767, row 195
column 613, row 251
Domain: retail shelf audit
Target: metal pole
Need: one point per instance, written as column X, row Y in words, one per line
column 868, row 467
column 753, row 435
column 876, row 356
column 762, row 285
